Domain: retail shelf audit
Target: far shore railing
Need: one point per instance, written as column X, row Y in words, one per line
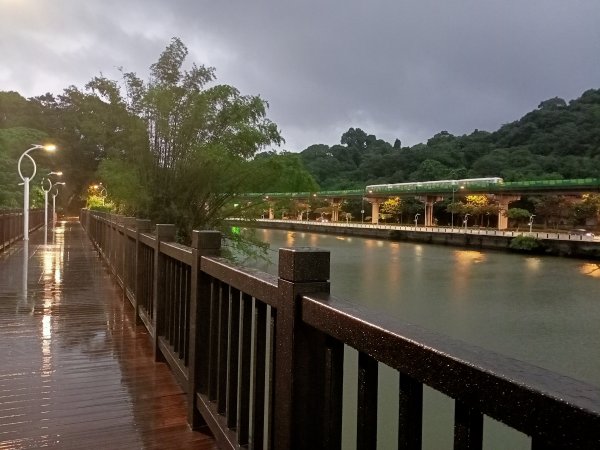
column 261, row 357
column 458, row 230
column 11, row 225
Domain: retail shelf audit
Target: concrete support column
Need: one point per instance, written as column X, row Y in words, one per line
column 429, row 201
column 335, row 210
column 271, row 211
column 374, row 211
column 503, row 201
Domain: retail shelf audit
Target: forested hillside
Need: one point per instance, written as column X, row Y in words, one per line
column 557, row 140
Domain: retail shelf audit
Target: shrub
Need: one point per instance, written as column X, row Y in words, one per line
column 526, row 243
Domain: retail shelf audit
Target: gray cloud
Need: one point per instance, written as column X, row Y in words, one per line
column 405, row 69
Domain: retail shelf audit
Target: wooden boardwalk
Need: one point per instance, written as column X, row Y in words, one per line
column 75, row 371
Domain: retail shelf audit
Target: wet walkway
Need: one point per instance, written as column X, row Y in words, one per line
column 75, row 371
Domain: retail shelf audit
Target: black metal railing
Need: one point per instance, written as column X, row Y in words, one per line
column 261, row 357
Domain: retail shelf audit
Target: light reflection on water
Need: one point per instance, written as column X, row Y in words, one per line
column 542, row 310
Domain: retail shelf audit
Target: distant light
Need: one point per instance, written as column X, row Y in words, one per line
column 50, row 147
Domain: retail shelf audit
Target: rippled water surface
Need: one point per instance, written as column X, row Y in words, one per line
column 544, row 310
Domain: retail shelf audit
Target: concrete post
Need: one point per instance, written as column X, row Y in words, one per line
column 503, row 201
column 374, row 211
column 301, row 370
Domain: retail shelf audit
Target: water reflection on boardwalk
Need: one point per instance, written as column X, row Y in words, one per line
column 75, row 371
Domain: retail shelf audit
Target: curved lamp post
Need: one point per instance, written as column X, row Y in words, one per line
column 26, row 180
column 466, row 221
column 417, row 219
column 454, row 189
column 531, row 222
column 101, row 187
column 47, row 178
column 54, row 202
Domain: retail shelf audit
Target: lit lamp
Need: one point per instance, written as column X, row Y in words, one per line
column 46, row 196
column 104, row 192
column 54, row 202
column 26, row 180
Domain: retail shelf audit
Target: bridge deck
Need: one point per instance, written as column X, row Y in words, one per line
column 75, row 371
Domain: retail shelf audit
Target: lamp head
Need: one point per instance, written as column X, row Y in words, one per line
column 49, row 147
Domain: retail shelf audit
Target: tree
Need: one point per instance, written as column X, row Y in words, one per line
column 393, row 206
column 519, row 215
column 588, row 208
column 200, row 137
column 554, row 209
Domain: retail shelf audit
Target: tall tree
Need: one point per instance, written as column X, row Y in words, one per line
column 200, row 136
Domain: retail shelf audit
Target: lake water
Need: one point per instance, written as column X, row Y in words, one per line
column 543, row 310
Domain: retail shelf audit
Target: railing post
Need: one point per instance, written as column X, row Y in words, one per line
column 164, row 233
column 307, row 365
column 128, row 222
column 204, row 243
column 141, row 226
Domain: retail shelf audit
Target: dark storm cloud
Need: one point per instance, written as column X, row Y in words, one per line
column 405, row 69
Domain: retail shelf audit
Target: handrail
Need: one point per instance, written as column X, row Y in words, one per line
column 11, row 225
column 231, row 333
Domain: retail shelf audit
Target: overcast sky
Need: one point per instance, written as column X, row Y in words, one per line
column 402, row 69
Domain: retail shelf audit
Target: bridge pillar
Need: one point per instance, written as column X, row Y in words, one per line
column 374, row 211
column 503, row 201
column 429, row 201
column 271, row 211
column 335, row 210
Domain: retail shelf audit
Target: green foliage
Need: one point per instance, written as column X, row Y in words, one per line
column 13, row 142
column 278, row 172
column 199, row 142
column 557, row 140
column 526, row 243
column 518, row 213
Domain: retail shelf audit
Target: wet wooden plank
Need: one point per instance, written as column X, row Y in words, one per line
column 76, row 372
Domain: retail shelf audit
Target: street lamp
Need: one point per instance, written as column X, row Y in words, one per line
column 101, row 187
column 466, row 220
column 362, row 211
column 454, row 189
column 416, row 219
column 531, row 222
column 46, row 198
column 26, row 180
column 54, row 203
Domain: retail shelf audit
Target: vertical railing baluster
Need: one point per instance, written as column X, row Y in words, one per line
column 258, row 367
column 233, row 356
column 141, row 271
column 204, row 243
column 468, row 427
column 213, row 342
column 185, row 326
column 222, row 359
column 410, row 414
column 366, row 423
column 245, row 349
column 166, row 233
column 333, row 393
